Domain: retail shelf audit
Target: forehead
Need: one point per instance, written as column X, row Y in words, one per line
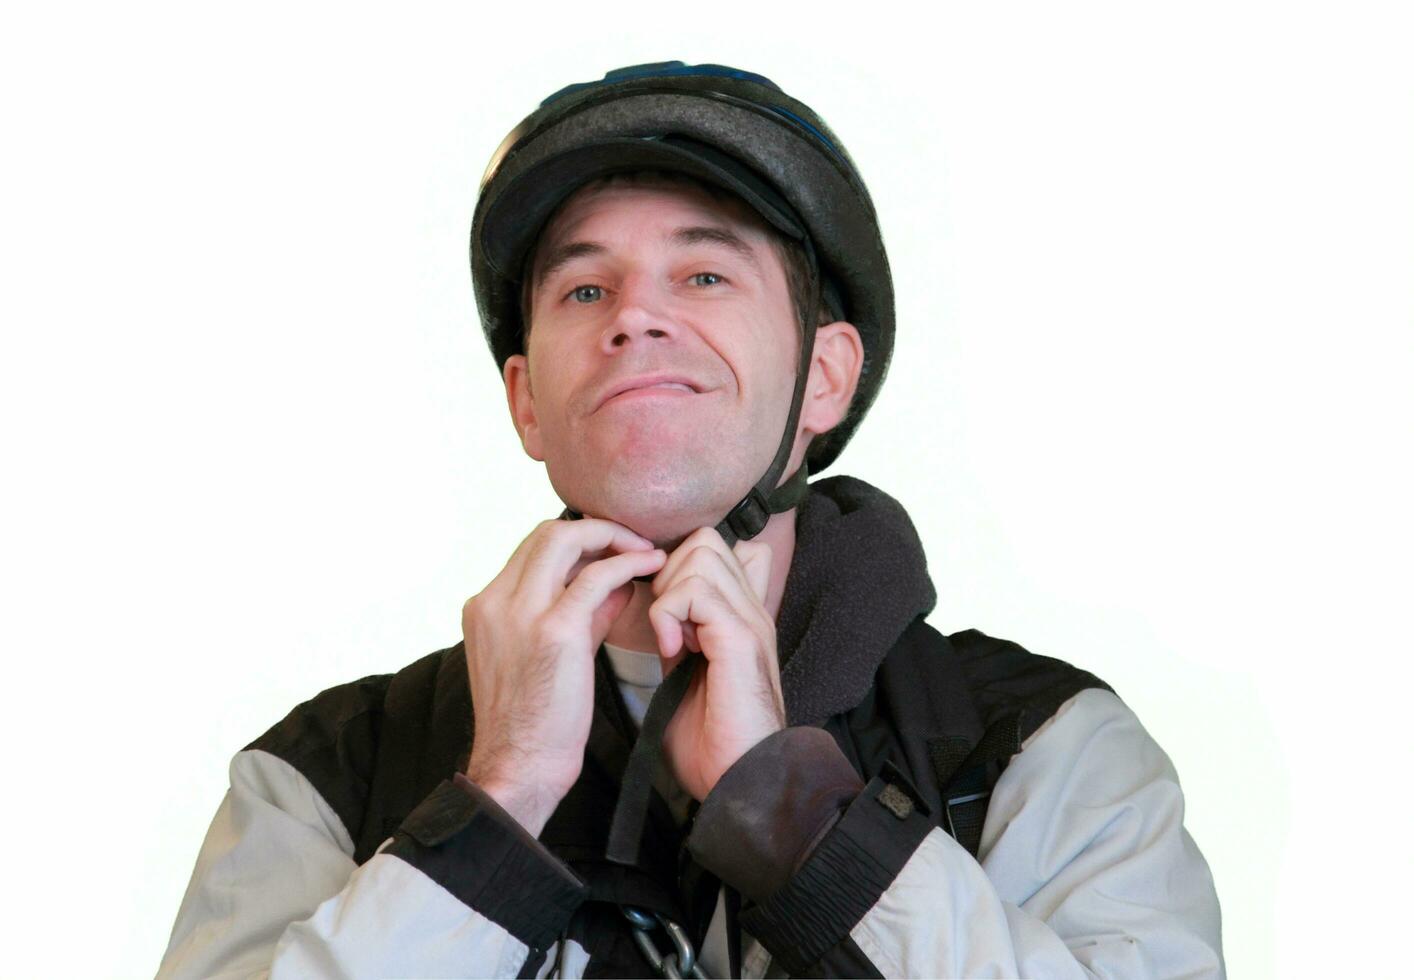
column 645, row 195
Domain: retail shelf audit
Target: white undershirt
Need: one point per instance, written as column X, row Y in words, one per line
column 638, row 674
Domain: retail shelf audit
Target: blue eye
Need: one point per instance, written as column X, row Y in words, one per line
column 712, row 274
column 579, row 293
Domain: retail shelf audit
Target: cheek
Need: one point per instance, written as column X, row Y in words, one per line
column 770, row 346
column 777, row 359
column 551, row 383
column 768, row 384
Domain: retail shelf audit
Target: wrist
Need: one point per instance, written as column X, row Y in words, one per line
column 531, row 806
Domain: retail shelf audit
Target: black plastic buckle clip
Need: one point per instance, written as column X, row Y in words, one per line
column 748, row 518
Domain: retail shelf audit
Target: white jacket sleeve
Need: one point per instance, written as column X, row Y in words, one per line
column 1085, row 867
column 276, row 891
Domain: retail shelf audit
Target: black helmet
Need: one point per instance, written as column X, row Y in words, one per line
column 733, row 129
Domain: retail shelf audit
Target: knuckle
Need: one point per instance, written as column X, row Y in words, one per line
column 582, row 587
column 692, row 583
column 589, row 575
column 696, row 557
column 723, row 559
column 547, row 632
column 541, row 545
column 553, row 528
column 474, row 608
column 706, row 537
column 536, row 535
column 518, row 608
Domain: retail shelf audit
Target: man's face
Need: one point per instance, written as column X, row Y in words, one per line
column 644, row 279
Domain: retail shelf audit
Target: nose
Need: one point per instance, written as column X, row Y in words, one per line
column 640, row 315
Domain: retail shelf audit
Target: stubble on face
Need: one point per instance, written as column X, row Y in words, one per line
column 664, row 477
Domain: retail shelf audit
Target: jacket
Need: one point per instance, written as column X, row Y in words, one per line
column 938, row 806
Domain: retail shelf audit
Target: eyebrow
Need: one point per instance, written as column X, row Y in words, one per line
column 562, row 255
column 714, row 234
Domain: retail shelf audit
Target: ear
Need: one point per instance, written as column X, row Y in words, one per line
column 521, row 401
column 834, row 375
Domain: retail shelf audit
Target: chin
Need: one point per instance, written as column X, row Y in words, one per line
column 662, row 492
column 663, row 512
column 665, row 529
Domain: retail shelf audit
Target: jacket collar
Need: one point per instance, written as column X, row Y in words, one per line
column 858, row 578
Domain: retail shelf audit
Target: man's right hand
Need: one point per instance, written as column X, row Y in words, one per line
column 531, row 636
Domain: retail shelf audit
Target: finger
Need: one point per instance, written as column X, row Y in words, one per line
column 591, row 588
column 724, row 574
column 608, row 611
column 588, row 558
column 702, row 553
column 559, row 546
column 694, row 600
column 755, row 559
column 668, row 629
column 706, row 538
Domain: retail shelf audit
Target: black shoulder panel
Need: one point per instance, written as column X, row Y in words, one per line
column 331, row 739
column 919, row 700
column 1005, row 678
column 336, row 739
column 425, row 738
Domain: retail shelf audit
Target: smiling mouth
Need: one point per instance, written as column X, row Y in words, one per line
column 664, row 389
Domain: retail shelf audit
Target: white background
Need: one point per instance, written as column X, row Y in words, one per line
column 1150, row 406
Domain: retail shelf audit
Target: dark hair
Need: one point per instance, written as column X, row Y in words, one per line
column 791, row 253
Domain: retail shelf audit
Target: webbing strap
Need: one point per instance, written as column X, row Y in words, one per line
column 733, row 898
column 967, row 784
column 631, row 810
column 533, row 962
column 748, row 518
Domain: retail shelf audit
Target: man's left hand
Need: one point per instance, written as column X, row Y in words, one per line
column 710, row 598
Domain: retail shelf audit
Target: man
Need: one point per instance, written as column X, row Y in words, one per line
column 678, row 741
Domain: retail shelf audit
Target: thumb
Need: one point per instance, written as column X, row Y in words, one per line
column 755, row 558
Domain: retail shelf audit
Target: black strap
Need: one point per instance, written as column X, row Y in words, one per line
column 532, row 964
column 747, row 518
column 967, row 785
column 733, row 931
column 631, row 810
column 559, row 971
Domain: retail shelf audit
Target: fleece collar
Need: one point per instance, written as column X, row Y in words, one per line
column 858, row 578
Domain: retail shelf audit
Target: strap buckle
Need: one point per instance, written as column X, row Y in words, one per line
column 959, row 801
column 748, row 518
